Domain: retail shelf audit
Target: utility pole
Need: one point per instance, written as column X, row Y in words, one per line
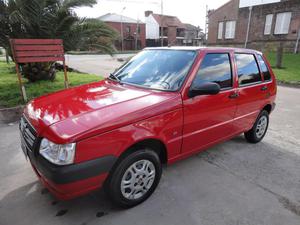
column 122, row 35
column 161, row 23
column 136, row 33
column 206, row 25
column 248, row 26
column 143, row 2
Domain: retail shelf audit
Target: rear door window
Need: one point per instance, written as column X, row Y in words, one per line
column 247, row 68
column 215, row 67
column 264, row 68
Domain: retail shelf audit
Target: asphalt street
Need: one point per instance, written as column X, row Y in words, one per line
column 233, row 183
column 101, row 65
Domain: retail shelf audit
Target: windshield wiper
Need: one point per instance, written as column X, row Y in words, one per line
column 113, row 76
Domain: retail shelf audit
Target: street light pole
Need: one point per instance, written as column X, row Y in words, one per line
column 142, row 2
column 248, row 27
column 161, row 24
column 136, row 34
column 121, row 22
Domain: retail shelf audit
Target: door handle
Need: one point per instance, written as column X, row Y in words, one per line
column 233, row 95
column 264, row 88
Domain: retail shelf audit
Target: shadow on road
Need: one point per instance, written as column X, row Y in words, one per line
column 267, row 169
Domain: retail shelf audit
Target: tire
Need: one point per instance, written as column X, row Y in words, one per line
column 259, row 129
column 123, row 183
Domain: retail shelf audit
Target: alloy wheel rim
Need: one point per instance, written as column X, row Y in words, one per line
column 261, row 126
column 138, row 179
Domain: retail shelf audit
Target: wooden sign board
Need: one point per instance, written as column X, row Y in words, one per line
column 37, row 50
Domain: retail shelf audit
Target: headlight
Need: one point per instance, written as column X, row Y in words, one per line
column 57, row 154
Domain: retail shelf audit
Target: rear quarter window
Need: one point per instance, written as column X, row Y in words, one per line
column 264, row 68
column 247, row 68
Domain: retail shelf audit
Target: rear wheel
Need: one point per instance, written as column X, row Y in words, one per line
column 259, row 129
column 135, row 178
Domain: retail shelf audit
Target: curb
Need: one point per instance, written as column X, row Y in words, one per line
column 291, row 85
column 9, row 115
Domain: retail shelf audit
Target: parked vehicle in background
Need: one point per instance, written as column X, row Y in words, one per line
column 164, row 105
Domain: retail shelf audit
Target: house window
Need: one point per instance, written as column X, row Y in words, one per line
column 230, row 29
column 165, row 31
column 127, row 29
column 220, row 30
column 268, row 24
column 179, row 32
column 283, row 23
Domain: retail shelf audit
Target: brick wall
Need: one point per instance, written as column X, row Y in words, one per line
column 129, row 37
column 172, row 31
column 227, row 12
column 257, row 39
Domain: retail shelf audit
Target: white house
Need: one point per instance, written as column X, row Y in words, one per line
column 152, row 27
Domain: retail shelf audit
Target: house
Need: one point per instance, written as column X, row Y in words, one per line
column 130, row 30
column 173, row 30
column 258, row 24
column 193, row 35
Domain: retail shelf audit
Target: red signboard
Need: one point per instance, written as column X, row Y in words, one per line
column 37, row 50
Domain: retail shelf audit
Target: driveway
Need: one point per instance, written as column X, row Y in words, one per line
column 96, row 64
column 234, row 183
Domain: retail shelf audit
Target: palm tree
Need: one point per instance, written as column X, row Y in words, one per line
column 52, row 19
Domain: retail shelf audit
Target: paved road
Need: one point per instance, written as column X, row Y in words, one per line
column 96, row 64
column 101, row 65
column 231, row 183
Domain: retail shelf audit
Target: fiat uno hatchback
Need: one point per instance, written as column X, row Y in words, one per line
column 163, row 105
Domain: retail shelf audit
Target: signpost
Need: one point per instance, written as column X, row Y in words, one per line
column 37, row 50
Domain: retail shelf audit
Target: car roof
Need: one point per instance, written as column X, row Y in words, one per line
column 203, row 48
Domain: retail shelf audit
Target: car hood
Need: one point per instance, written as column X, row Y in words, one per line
column 87, row 110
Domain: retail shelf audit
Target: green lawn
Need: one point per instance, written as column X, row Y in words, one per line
column 9, row 88
column 290, row 73
column 10, row 95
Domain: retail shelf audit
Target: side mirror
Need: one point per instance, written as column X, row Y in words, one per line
column 207, row 88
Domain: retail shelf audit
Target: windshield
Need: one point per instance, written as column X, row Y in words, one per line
column 157, row 69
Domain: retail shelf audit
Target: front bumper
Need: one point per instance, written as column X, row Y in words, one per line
column 70, row 181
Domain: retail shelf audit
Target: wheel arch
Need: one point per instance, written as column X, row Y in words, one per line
column 268, row 108
column 154, row 144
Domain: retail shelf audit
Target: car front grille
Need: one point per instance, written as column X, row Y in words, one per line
column 28, row 134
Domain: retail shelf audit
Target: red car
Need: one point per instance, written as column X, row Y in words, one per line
column 164, row 105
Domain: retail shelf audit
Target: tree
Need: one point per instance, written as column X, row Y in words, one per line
column 52, row 19
column 279, row 54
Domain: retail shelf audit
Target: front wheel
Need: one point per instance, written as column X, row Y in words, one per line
column 259, row 129
column 135, row 178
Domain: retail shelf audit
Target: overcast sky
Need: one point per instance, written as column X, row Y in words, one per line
column 188, row 11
